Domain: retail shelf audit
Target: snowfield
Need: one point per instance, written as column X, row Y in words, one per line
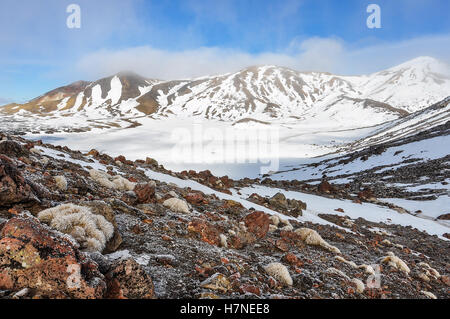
column 316, row 204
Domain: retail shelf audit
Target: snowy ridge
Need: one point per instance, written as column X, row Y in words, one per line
column 265, row 93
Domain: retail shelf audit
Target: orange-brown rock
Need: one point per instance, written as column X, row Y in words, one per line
column 292, row 259
column 14, row 188
column 208, row 233
column 13, row 149
column 195, row 198
column 367, row 195
column 325, row 187
column 123, row 160
column 33, row 256
column 93, row 152
column 246, row 288
column 145, row 193
column 445, row 279
column 151, row 161
column 128, row 280
column 257, row 223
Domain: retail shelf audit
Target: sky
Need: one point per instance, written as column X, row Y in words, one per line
column 171, row 39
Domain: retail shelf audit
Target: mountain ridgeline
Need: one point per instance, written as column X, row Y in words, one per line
column 265, row 93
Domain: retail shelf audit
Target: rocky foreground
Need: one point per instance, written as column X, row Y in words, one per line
column 76, row 225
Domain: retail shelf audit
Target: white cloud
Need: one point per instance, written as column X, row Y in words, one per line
column 318, row 54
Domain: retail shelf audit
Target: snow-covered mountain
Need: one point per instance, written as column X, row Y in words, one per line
column 264, row 93
column 411, row 86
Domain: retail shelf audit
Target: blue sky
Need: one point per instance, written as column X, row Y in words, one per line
column 177, row 39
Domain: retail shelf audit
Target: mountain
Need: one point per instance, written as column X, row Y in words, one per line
column 404, row 159
column 410, row 86
column 263, row 93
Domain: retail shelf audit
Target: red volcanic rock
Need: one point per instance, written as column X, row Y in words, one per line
column 257, row 223
column 93, row 152
column 132, row 179
column 120, row 158
column 123, row 160
column 207, row 232
column 444, row 217
column 151, row 161
column 127, row 280
column 14, row 149
column 291, row 259
column 14, row 188
column 250, row 289
column 367, row 195
column 195, row 198
column 145, row 193
column 325, row 187
column 33, row 256
column 446, row 280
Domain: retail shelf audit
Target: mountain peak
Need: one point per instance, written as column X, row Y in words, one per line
column 261, row 92
column 422, row 62
column 127, row 73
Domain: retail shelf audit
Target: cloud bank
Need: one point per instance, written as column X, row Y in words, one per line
column 4, row 101
column 314, row 54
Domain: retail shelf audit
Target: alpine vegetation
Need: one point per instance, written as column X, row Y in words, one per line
column 91, row 231
column 311, row 237
column 279, row 272
column 61, row 182
column 177, row 205
column 114, row 182
column 395, row 262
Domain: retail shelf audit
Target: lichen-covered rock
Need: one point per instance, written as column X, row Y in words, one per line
column 279, row 201
column 127, row 280
column 33, row 256
column 217, row 282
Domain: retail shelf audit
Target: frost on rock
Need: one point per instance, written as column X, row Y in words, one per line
column 113, row 182
column 91, row 231
column 311, row 237
column 279, row 272
column 176, row 205
column 395, row 262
